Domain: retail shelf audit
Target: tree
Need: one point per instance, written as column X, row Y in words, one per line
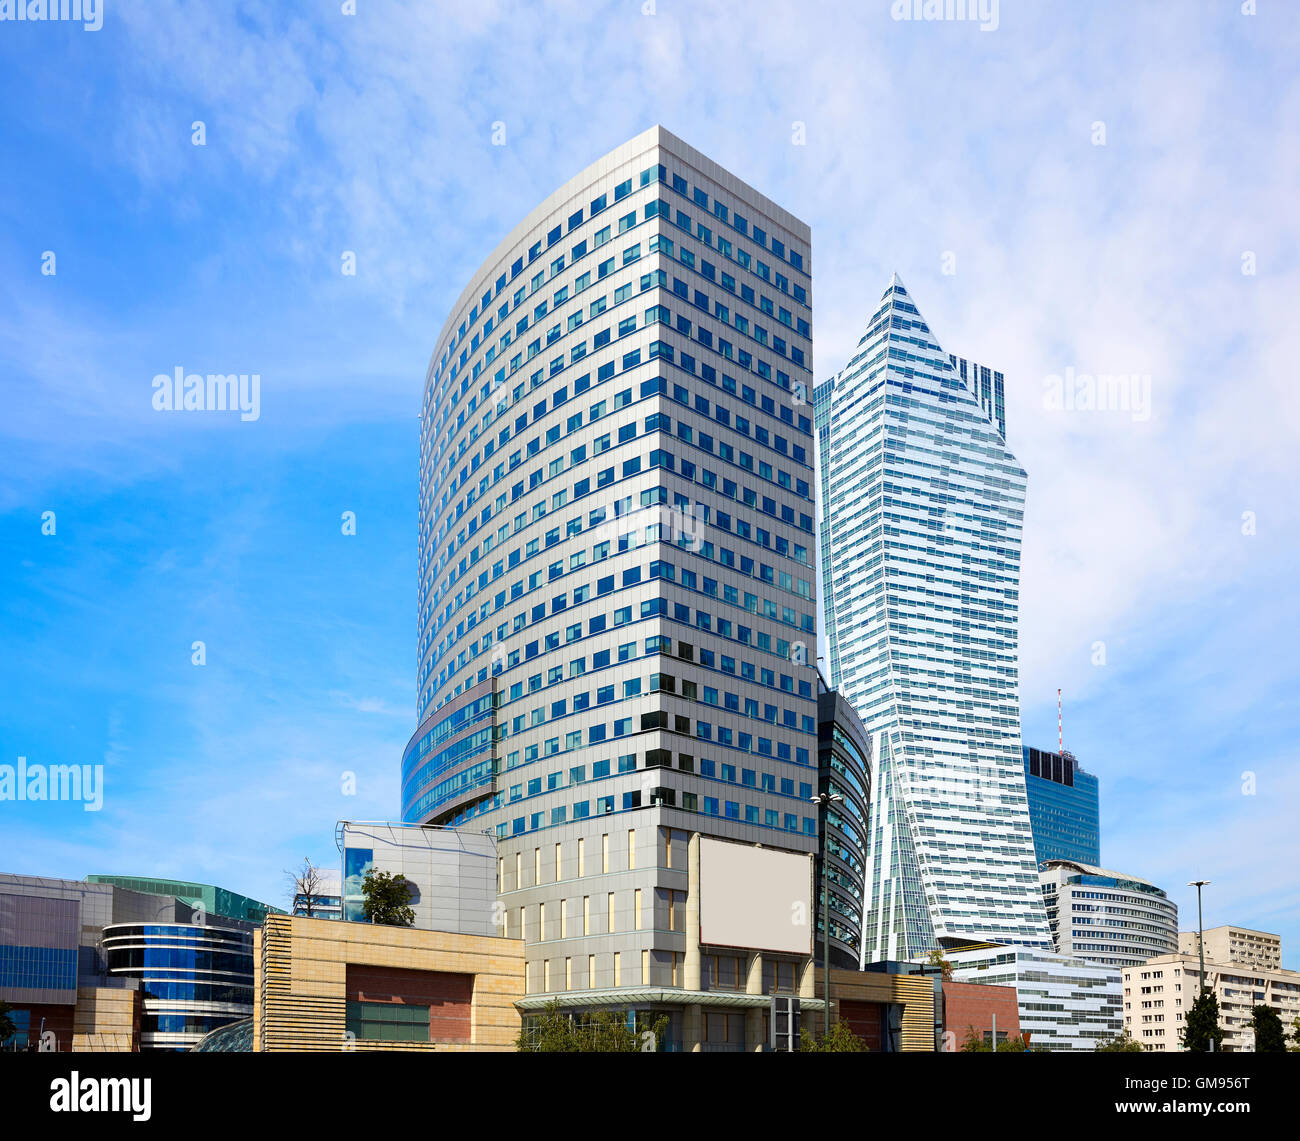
column 305, row 883
column 1295, row 1036
column 8, row 1028
column 936, row 959
column 976, row 1043
column 387, row 899
column 600, row 1032
column 1203, row 1032
column 841, row 1040
column 1270, row 1038
column 1122, row 1043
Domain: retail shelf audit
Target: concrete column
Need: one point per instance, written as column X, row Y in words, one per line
column 808, row 980
column 691, row 961
column 755, row 1040
column 692, row 1020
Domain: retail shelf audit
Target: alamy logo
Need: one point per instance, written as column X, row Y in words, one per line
column 88, row 13
column 1105, row 392
column 84, row 783
column 983, row 12
column 215, row 392
column 75, row 1094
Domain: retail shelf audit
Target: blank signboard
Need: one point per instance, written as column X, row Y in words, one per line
column 755, row 897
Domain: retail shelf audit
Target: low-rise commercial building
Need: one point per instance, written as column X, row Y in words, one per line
column 1159, row 993
column 893, row 1011
column 1065, row 1003
column 101, row 964
column 323, row 985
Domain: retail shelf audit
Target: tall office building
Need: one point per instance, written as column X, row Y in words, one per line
column 1064, row 812
column 617, row 609
column 1107, row 917
column 922, row 507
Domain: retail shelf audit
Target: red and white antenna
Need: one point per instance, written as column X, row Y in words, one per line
column 1060, row 728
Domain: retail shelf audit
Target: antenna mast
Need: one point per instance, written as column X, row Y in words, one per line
column 1060, row 728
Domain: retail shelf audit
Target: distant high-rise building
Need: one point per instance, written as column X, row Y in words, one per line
column 1238, row 946
column 1063, row 807
column 922, row 506
column 617, row 600
column 1105, row 916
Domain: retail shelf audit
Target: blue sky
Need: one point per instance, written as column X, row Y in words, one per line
column 927, row 147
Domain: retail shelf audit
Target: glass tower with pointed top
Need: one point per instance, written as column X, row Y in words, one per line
column 921, row 514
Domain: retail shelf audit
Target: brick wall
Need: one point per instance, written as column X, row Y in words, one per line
column 974, row 1004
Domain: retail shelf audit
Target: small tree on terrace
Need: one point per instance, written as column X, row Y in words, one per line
column 387, row 899
column 936, row 959
column 306, row 882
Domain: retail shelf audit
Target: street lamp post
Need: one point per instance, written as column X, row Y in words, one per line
column 825, row 800
column 1200, row 927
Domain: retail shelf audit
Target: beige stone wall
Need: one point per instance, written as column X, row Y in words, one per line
column 914, row 992
column 106, row 1018
column 301, row 984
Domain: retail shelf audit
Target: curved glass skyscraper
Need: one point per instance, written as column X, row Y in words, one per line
column 922, row 508
column 617, row 609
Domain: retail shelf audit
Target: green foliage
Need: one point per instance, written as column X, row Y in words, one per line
column 1294, row 1044
column 599, row 1032
column 936, row 959
column 1203, row 1025
column 841, row 1040
column 7, row 1027
column 1270, row 1038
column 387, row 899
column 975, row 1043
column 1122, row 1043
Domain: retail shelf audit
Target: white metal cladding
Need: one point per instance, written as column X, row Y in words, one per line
column 922, row 508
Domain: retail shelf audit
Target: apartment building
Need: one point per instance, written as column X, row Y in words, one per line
column 1159, row 993
column 1237, row 945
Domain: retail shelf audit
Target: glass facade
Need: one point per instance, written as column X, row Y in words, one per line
column 356, row 863
column 922, row 509
column 212, row 900
column 845, row 771
column 193, row 979
column 1064, row 811
column 617, row 597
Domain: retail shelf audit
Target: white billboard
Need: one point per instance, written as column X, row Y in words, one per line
column 755, row 897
